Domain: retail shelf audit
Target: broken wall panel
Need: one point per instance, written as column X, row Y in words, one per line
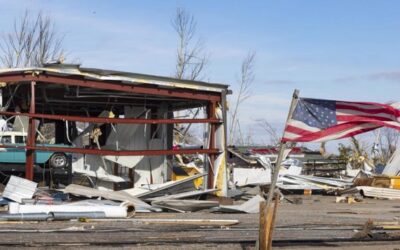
column 220, row 170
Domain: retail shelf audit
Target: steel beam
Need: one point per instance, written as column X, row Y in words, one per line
column 30, row 152
column 111, row 120
column 115, row 152
column 211, row 115
column 117, row 86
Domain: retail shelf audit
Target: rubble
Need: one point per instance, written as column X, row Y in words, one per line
column 18, row 188
column 251, row 176
column 184, row 205
column 111, row 195
column 374, row 192
column 127, row 159
column 251, row 206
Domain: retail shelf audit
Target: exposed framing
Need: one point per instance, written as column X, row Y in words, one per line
column 212, row 98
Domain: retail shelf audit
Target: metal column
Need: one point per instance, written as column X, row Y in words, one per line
column 211, row 174
column 30, row 152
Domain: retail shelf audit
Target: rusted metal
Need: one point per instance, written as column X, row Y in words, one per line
column 117, row 86
column 146, row 89
column 116, row 173
column 112, row 120
column 211, row 115
column 30, row 153
column 115, row 152
column 131, row 178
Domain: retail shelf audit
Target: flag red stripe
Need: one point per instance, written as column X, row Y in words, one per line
column 360, row 118
column 297, row 130
column 311, row 136
column 360, row 131
column 307, row 138
column 378, row 110
column 387, row 124
column 372, row 104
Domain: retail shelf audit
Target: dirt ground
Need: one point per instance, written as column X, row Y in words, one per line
column 317, row 223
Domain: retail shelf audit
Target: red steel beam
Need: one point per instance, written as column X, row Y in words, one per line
column 130, row 88
column 30, row 152
column 112, row 120
column 211, row 115
column 115, row 152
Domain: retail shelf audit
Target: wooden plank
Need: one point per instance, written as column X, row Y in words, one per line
column 263, row 226
column 272, row 223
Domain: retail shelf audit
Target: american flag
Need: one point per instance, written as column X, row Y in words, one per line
column 315, row 120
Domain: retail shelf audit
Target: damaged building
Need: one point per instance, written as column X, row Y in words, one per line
column 117, row 129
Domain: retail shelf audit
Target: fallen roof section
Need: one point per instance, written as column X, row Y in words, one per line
column 251, row 206
column 185, row 205
column 182, row 195
column 168, row 188
column 376, row 192
column 19, row 188
column 79, row 190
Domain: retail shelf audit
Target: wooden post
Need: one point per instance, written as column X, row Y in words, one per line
column 281, row 151
column 267, row 220
column 272, row 222
column 262, row 240
column 268, row 213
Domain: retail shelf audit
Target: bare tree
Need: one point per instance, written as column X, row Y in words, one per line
column 245, row 80
column 191, row 58
column 274, row 139
column 385, row 145
column 33, row 41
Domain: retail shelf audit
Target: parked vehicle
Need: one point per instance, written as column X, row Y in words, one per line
column 13, row 159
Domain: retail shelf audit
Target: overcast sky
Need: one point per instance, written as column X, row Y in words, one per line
column 346, row 50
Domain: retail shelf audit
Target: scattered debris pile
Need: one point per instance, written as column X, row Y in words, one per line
column 254, row 167
column 23, row 200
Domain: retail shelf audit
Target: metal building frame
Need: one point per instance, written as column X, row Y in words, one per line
column 213, row 99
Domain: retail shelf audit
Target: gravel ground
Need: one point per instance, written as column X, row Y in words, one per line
column 317, row 223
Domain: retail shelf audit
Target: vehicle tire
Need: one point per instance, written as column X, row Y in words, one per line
column 58, row 160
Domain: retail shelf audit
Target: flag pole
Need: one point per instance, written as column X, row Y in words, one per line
column 267, row 212
column 281, row 150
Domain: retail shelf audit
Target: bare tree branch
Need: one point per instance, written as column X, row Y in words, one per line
column 270, row 130
column 386, row 144
column 32, row 42
column 244, row 92
column 191, row 59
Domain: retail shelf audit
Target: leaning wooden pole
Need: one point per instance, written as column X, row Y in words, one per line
column 265, row 238
column 281, row 151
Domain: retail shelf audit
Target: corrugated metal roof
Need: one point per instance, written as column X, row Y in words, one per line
column 120, row 76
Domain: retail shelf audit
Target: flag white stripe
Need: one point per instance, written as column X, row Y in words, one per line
column 393, row 123
column 344, row 132
column 290, row 136
column 302, row 125
column 358, row 112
